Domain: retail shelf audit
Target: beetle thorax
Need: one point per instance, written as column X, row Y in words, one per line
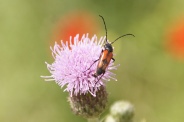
column 108, row 47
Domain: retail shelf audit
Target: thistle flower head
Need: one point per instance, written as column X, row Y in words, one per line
column 72, row 66
column 87, row 105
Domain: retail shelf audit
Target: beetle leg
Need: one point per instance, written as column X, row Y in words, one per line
column 94, row 61
column 113, row 59
column 99, row 78
column 91, row 65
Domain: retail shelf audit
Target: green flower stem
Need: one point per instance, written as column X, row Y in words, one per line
column 93, row 120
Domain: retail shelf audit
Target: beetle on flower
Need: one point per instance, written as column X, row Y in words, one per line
column 70, row 62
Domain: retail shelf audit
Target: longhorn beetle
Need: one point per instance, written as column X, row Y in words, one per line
column 106, row 55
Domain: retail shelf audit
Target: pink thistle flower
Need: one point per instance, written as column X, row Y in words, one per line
column 72, row 61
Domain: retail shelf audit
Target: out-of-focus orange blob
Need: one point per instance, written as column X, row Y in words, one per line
column 74, row 23
column 175, row 40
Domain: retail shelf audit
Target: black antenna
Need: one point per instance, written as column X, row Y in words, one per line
column 105, row 27
column 122, row 36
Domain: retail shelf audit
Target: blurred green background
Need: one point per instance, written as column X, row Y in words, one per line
column 149, row 77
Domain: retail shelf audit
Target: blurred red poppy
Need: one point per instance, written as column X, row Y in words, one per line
column 175, row 40
column 74, row 23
